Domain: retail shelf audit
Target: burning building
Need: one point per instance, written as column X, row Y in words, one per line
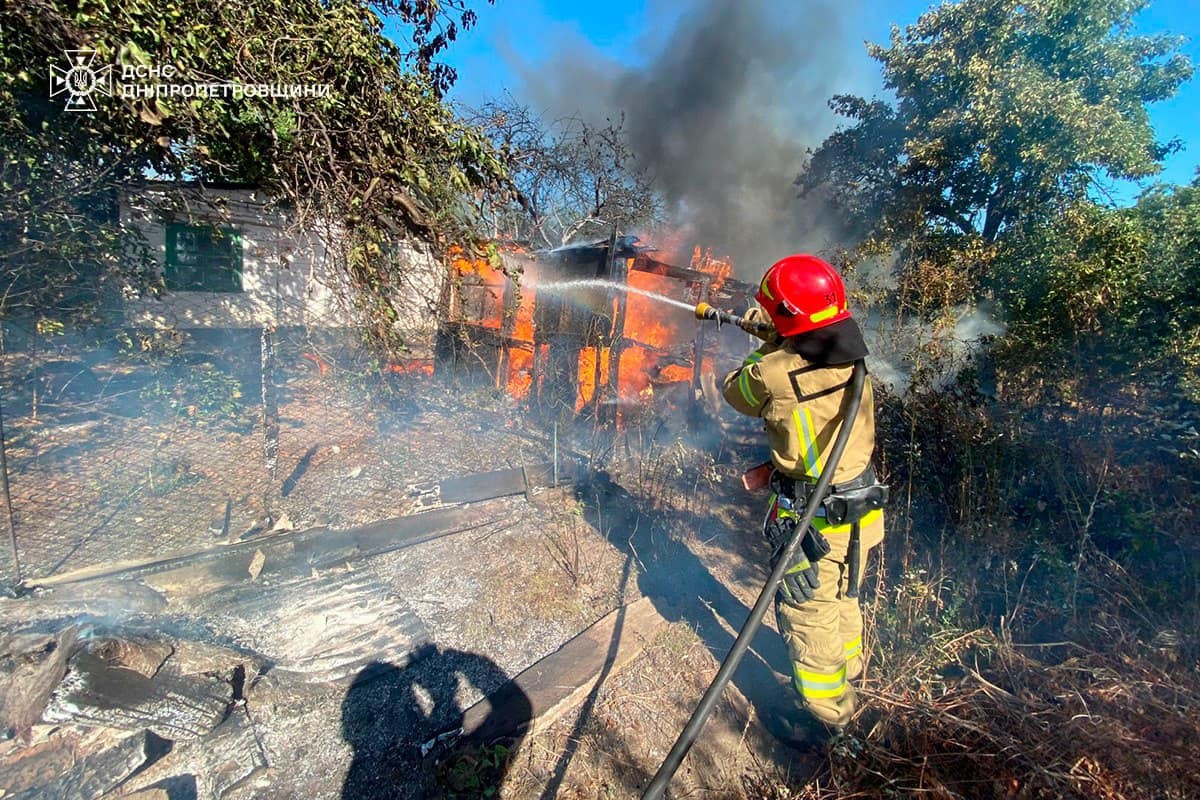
column 584, row 329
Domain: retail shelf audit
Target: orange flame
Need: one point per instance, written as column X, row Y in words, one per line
column 720, row 269
column 650, row 329
column 653, row 330
column 414, row 366
column 588, row 374
column 475, row 276
column 520, row 372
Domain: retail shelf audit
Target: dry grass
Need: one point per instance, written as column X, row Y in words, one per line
column 976, row 714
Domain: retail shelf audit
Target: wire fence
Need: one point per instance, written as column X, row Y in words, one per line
column 124, row 446
column 122, row 449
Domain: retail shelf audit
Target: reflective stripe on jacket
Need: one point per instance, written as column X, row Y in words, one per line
column 800, row 404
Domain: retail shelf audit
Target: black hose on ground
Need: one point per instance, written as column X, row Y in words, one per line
column 765, row 598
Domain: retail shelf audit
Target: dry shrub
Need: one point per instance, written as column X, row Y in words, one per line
column 959, row 706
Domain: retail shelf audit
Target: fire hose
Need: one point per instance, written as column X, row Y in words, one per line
column 745, row 636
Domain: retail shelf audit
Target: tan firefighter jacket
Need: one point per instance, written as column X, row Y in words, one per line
column 800, row 404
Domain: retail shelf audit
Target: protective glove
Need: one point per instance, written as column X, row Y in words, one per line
column 779, row 531
column 753, row 320
column 801, row 580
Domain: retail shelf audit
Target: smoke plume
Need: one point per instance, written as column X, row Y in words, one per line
column 721, row 113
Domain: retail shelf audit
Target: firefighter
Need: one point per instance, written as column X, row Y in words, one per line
column 796, row 382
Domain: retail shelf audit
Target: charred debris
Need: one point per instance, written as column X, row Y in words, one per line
column 153, row 666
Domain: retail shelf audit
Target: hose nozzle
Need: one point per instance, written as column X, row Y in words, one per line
column 705, row 311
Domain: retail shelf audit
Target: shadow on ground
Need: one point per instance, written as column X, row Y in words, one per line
column 400, row 722
column 682, row 589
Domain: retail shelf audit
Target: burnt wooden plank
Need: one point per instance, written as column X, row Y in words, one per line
column 139, row 654
column 231, row 755
column 174, row 706
column 505, row 482
column 289, row 550
column 38, row 663
column 298, row 551
column 323, row 628
column 53, row 773
column 387, row 535
column 548, row 689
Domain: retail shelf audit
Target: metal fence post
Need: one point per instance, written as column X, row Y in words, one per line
column 8, row 511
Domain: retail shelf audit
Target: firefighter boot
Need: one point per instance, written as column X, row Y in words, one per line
column 791, row 723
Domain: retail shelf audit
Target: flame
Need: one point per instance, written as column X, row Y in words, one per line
column 475, row 272
column 587, row 374
column 479, row 272
column 646, row 321
column 520, row 372
column 653, row 328
column 719, row 268
column 633, row 376
column 411, row 366
column 650, row 332
column 673, row 373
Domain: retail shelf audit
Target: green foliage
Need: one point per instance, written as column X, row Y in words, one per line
column 474, row 774
column 1078, row 275
column 380, row 152
column 205, row 395
column 1173, row 215
column 1005, row 109
column 1117, row 289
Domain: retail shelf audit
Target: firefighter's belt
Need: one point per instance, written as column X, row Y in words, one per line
column 846, row 502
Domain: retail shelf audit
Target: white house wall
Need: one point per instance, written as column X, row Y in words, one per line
column 287, row 274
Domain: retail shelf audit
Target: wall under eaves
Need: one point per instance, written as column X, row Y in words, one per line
column 289, row 275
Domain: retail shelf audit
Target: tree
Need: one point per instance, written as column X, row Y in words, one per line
column 571, row 180
column 1110, row 290
column 1005, row 109
column 379, row 155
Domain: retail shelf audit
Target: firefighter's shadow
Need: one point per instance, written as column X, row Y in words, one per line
column 402, row 722
column 683, row 589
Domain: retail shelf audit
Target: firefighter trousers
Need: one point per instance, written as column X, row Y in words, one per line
column 824, row 635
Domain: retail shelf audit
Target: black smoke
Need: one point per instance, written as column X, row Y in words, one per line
column 722, row 113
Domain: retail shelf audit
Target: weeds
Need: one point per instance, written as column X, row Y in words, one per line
column 165, row 475
column 205, row 395
column 475, row 773
column 564, row 544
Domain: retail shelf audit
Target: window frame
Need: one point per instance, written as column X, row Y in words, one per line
column 228, row 279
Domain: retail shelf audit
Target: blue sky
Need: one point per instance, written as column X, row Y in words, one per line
column 517, row 40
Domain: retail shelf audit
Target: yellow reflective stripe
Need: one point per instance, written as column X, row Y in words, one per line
column 821, row 678
column 764, row 289
column 812, row 432
column 821, row 684
column 802, row 434
column 808, row 442
column 824, row 314
column 744, row 385
column 823, row 526
column 854, row 647
column 753, row 358
column 799, row 566
column 780, row 512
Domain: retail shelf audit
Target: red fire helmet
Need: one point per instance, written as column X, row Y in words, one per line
column 802, row 293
